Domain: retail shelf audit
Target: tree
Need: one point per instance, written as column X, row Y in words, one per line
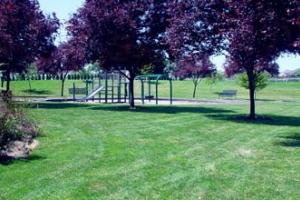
column 31, row 70
column 214, row 78
column 195, row 33
column 258, row 32
column 25, row 34
column 261, row 81
column 195, row 67
column 196, row 28
column 122, row 35
column 62, row 60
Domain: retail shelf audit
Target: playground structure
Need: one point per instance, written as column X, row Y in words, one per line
column 109, row 87
column 113, row 87
column 149, row 80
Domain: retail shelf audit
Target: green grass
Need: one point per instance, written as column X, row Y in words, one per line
column 182, row 89
column 179, row 152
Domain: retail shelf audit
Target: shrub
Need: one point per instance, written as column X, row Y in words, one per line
column 15, row 125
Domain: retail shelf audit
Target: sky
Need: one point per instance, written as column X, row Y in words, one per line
column 65, row 8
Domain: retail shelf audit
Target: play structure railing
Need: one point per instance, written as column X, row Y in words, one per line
column 107, row 87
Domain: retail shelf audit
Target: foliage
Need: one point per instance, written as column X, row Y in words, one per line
column 121, row 34
column 25, row 34
column 257, row 34
column 195, row 67
column 261, row 81
column 30, row 72
column 214, row 78
column 170, row 68
column 15, row 125
column 62, row 60
column 196, row 28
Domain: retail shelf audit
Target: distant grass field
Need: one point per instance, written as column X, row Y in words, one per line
column 162, row 152
column 181, row 89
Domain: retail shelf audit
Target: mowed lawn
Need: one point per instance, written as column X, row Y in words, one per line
column 178, row 152
column 181, row 89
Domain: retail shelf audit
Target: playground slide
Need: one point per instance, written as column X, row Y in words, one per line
column 96, row 91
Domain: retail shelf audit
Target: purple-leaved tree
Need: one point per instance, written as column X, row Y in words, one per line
column 25, row 34
column 259, row 30
column 122, row 35
column 195, row 32
column 65, row 58
column 195, row 67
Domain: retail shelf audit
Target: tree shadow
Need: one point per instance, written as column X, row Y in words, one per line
column 162, row 109
column 58, row 106
column 9, row 160
column 37, row 92
column 290, row 141
column 273, row 120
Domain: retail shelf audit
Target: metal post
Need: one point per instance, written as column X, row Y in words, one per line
column 149, row 89
column 125, row 92
column 142, row 92
column 74, row 90
column 106, row 86
column 112, row 87
column 156, row 91
column 171, row 92
column 119, row 88
column 93, row 88
column 86, row 90
column 99, row 86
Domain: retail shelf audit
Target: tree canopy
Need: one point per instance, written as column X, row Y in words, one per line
column 25, row 34
column 122, row 35
column 258, row 31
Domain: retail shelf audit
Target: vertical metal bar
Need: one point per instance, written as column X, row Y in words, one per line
column 86, row 89
column 156, row 91
column 119, row 88
column 125, row 92
column 74, row 90
column 171, row 92
column 149, row 89
column 99, row 84
column 112, row 87
column 142, row 92
column 106, row 86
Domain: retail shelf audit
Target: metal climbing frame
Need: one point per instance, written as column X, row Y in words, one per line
column 149, row 79
column 111, row 87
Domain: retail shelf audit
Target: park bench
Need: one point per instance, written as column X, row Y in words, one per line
column 228, row 93
column 149, row 97
column 73, row 91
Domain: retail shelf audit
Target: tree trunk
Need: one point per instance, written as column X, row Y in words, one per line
column 195, row 90
column 29, row 83
column 196, row 83
column 7, row 81
column 62, row 87
column 131, row 93
column 251, row 78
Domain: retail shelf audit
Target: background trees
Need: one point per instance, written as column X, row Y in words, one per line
column 258, row 32
column 67, row 57
column 195, row 33
column 25, row 34
column 122, row 35
column 195, row 67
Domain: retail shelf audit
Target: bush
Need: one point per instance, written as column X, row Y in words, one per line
column 15, row 126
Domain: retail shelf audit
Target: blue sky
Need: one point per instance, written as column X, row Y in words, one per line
column 65, row 8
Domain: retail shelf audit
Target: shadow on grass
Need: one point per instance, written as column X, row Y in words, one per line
column 8, row 160
column 273, row 120
column 139, row 109
column 58, row 105
column 37, row 92
column 290, row 141
column 162, row 109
